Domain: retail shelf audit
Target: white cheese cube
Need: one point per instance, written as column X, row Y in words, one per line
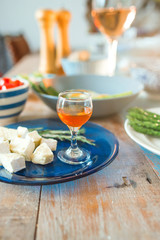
column 4, row 148
column 52, row 143
column 8, row 133
column 13, row 162
column 36, row 138
column 42, row 154
column 23, row 146
column 22, row 131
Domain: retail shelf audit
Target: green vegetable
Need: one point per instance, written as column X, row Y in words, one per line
column 105, row 96
column 144, row 130
column 144, row 121
column 40, row 88
column 64, row 132
column 68, row 137
column 63, row 135
column 142, row 117
column 146, row 124
column 52, row 91
column 144, row 113
column 35, row 87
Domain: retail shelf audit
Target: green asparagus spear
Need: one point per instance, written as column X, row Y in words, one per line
column 145, row 113
column 52, row 91
column 35, row 87
column 68, row 137
column 146, row 124
column 43, row 88
column 63, row 135
column 144, row 130
column 62, row 132
column 142, row 117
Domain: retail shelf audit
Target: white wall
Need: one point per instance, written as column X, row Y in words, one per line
column 19, row 16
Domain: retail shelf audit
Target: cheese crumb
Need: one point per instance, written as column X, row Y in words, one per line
column 22, row 131
column 42, row 154
column 8, row 133
column 23, row 146
column 52, row 143
column 36, row 138
column 4, row 148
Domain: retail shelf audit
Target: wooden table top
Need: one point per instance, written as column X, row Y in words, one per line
column 101, row 206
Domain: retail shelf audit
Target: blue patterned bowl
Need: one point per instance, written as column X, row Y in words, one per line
column 12, row 102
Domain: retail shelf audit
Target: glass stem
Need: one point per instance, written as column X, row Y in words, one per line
column 73, row 151
column 112, row 55
column 74, row 132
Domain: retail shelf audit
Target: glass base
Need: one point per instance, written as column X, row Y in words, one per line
column 74, row 157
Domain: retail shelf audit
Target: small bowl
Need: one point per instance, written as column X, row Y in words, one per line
column 99, row 84
column 97, row 66
column 12, row 102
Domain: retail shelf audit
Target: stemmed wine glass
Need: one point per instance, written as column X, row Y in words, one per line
column 74, row 108
column 112, row 18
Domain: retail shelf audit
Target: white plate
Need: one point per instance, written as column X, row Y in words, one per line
column 150, row 143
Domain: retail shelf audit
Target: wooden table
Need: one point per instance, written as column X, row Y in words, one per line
column 120, row 202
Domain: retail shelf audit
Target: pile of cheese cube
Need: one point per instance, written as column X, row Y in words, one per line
column 20, row 145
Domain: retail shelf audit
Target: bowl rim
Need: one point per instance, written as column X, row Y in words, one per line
column 94, row 100
column 138, row 91
column 91, row 60
column 25, row 85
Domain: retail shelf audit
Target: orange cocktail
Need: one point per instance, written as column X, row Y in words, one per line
column 77, row 119
column 74, row 108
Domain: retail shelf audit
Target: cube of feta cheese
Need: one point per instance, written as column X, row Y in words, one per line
column 23, row 146
column 42, row 154
column 36, row 138
column 4, row 148
column 52, row 143
column 8, row 133
column 22, row 131
column 12, row 162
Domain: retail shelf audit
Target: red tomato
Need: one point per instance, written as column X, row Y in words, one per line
column 7, row 83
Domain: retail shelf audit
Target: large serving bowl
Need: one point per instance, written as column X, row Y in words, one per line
column 100, row 84
column 12, row 102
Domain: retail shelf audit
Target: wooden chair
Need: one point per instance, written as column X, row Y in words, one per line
column 17, row 47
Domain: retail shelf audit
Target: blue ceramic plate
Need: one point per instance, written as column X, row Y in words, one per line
column 102, row 154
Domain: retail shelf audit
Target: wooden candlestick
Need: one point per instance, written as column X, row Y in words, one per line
column 46, row 19
column 63, row 46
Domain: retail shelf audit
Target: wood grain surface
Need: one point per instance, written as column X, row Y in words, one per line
column 115, row 203
column 120, row 202
column 18, row 211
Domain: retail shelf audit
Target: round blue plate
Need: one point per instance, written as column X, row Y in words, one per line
column 102, row 154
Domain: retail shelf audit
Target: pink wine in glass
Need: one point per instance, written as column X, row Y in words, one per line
column 113, row 21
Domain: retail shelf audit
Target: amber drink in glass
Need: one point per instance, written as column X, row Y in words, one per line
column 74, row 108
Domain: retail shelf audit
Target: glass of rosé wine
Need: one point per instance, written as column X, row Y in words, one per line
column 112, row 18
column 74, row 108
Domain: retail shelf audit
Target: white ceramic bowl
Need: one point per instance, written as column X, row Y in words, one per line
column 12, row 102
column 100, row 84
column 97, row 66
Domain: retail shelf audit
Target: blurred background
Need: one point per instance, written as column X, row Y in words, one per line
column 17, row 18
